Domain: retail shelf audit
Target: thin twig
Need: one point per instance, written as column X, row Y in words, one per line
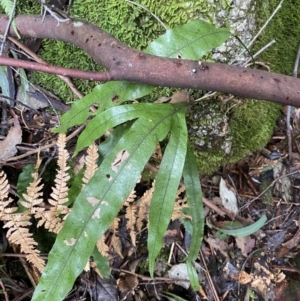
column 263, row 27
column 210, row 282
column 259, row 52
column 66, row 79
column 89, row 75
column 4, row 291
column 146, row 278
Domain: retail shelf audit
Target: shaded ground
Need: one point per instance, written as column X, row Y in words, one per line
column 261, row 266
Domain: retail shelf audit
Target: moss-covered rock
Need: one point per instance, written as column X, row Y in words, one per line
column 225, row 132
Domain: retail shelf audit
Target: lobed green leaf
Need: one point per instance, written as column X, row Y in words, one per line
column 115, row 116
column 104, row 96
column 166, row 187
column 99, row 202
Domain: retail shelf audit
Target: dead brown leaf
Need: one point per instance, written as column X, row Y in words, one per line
column 218, row 244
column 179, row 96
column 8, row 145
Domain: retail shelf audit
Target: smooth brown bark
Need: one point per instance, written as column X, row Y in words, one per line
column 124, row 63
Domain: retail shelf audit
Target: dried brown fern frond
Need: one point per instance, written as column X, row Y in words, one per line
column 131, row 211
column 90, row 163
column 132, row 196
column 102, row 246
column 60, row 190
column 18, row 233
column 143, row 206
column 4, row 186
column 32, row 198
column 51, row 219
column 177, row 211
column 5, row 201
column 115, row 241
column 180, row 204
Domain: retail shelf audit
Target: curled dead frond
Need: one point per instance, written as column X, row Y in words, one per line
column 90, row 163
column 18, row 234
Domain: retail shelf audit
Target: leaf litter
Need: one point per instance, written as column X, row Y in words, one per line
column 231, row 267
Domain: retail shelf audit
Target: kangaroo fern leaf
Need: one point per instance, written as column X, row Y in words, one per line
column 195, row 210
column 166, row 187
column 99, row 202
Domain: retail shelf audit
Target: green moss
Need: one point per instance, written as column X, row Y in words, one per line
column 284, row 28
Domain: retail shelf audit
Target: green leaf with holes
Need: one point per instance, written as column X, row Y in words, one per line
column 99, row 202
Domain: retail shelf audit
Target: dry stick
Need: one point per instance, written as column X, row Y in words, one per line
column 146, row 278
column 258, row 52
column 66, row 79
column 210, row 282
column 39, row 60
column 4, row 291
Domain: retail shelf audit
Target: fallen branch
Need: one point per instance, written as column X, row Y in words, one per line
column 124, row 63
